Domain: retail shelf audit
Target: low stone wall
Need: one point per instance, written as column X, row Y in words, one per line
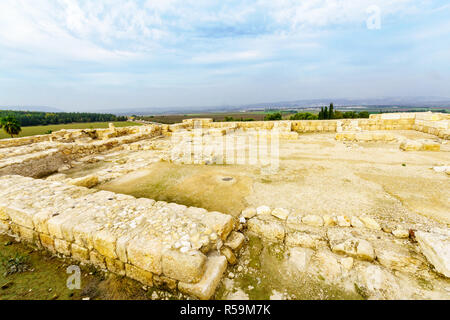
column 40, row 159
column 156, row 243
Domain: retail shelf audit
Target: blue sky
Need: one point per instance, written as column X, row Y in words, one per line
column 99, row 55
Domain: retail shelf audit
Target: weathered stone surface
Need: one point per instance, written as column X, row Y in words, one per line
column 87, row 181
column 105, row 244
column 97, row 259
column 343, row 221
column 138, row 274
column 370, row 223
column 47, row 242
column 235, row 241
column 299, row 258
column 263, row 210
column 62, row 247
column 436, row 247
column 303, row 239
column 249, row 213
column 145, row 254
column 115, row 265
column 80, row 253
column 312, row 220
column 356, row 223
column 357, row 248
column 228, row 253
column 186, row 267
column 267, row 229
column 205, row 288
column 280, row 213
column 401, row 233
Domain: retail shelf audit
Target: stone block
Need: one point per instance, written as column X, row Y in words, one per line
column 138, row 274
column 187, row 267
column 105, row 244
column 145, row 254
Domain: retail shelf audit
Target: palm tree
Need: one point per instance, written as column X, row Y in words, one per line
column 10, row 125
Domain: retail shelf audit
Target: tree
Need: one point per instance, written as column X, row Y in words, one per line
column 10, row 125
column 321, row 113
column 273, row 116
column 331, row 112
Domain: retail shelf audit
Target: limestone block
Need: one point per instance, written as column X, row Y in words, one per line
column 328, row 265
column 228, row 253
column 47, row 242
column 303, row 239
column 165, row 282
column 28, row 235
column 185, row 267
column 398, row 258
column 370, row 223
column 54, row 225
column 3, row 213
column 87, row 182
column 21, row 217
column 356, row 223
column 357, row 248
column 40, row 221
column 80, row 253
column 329, row 221
column 138, row 274
column 280, row 213
column 121, row 247
column 267, row 229
column 62, row 247
column 4, row 226
column 343, row 221
column 221, row 223
column 401, row 233
column 115, row 265
column 235, row 241
column 145, row 254
column 97, row 259
column 263, row 210
column 105, row 244
column 83, row 234
column 214, row 268
column 436, row 248
column 313, row 220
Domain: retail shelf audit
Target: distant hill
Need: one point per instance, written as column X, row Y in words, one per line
column 314, row 104
column 31, row 108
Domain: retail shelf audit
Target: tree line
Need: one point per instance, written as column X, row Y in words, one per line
column 32, row 118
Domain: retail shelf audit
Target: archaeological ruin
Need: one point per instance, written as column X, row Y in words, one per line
column 321, row 209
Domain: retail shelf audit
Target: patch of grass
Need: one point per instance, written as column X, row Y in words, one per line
column 40, row 130
column 16, row 263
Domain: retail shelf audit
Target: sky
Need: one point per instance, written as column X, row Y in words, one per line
column 82, row 55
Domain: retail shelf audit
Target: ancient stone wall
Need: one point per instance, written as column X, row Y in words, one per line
column 156, row 243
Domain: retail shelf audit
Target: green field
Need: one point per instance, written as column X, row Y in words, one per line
column 37, row 130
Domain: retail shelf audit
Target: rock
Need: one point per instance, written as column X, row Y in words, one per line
column 228, row 253
column 249, row 213
column 343, row 221
column 214, row 268
column 313, row 220
column 329, row 221
column 270, row 230
column 280, row 213
column 299, row 258
column 181, row 266
column 263, row 210
column 235, row 241
column 357, row 248
column 356, row 223
column 347, row 263
column 303, row 239
column 328, row 265
column 138, row 274
column 401, row 233
column 378, row 283
column 145, row 254
column 436, row 248
column 276, row 295
column 370, row 223
column 88, row 181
